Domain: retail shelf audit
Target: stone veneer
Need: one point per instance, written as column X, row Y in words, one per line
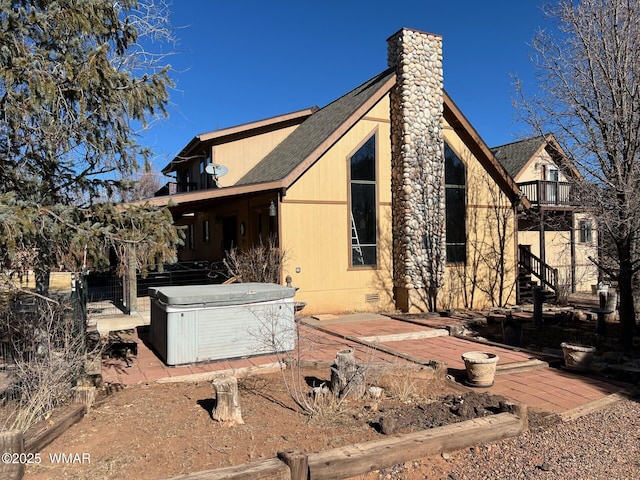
column 417, row 165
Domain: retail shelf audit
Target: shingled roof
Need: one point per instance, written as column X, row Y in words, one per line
column 514, row 156
column 314, row 132
column 315, row 135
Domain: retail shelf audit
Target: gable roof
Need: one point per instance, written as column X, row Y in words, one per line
column 280, row 168
column 482, row 152
column 514, row 156
column 316, row 131
column 239, row 131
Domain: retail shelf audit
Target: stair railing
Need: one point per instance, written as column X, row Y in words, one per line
column 535, row 266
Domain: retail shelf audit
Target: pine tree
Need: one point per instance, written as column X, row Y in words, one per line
column 75, row 84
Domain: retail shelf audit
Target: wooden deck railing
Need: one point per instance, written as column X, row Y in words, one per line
column 543, row 192
column 547, row 275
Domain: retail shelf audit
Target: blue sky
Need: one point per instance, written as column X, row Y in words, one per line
column 243, row 60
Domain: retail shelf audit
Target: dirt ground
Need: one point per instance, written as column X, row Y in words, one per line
column 164, row 430
column 161, row 431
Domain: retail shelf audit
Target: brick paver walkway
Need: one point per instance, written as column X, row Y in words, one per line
column 542, row 389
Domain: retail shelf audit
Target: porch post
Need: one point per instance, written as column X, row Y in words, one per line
column 543, row 254
column 131, row 287
column 573, row 252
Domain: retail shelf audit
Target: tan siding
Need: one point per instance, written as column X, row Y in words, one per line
column 242, row 155
column 486, row 206
column 315, row 226
column 533, row 169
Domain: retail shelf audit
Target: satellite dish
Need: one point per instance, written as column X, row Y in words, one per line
column 216, row 170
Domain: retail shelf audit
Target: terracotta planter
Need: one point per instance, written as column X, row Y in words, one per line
column 481, row 368
column 577, row 357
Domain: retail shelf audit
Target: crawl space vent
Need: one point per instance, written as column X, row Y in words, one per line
column 372, row 298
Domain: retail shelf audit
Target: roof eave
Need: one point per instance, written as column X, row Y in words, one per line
column 476, row 144
column 299, row 170
column 209, row 194
column 245, row 128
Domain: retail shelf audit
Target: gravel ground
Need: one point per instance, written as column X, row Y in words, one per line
column 602, row 445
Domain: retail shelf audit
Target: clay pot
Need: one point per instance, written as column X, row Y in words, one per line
column 577, row 357
column 481, row 368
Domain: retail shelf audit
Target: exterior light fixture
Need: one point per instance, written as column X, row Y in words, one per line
column 272, row 209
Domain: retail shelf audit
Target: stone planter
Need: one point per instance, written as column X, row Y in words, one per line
column 577, row 357
column 481, row 368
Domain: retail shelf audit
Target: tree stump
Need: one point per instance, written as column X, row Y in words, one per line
column 227, row 400
column 347, row 378
column 11, row 444
column 84, row 395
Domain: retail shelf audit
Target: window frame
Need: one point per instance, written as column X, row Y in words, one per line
column 192, row 236
column 451, row 246
column 206, row 231
column 585, row 228
column 353, row 264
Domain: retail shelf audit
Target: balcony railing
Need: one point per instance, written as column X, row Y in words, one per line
column 171, row 188
column 545, row 192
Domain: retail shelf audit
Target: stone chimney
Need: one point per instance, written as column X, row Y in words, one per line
column 417, row 164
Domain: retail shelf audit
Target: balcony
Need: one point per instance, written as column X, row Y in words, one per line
column 549, row 193
column 171, row 188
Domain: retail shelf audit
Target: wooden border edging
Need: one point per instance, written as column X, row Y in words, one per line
column 274, row 367
column 40, row 437
column 372, row 345
column 599, row 404
column 269, row 469
column 362, row 458
column 508, row 347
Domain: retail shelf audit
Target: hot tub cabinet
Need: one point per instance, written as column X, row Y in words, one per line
column 199, row 323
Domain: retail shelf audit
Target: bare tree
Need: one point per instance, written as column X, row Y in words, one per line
column 588, row 70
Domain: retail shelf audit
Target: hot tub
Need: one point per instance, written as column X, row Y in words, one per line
column 191, row 324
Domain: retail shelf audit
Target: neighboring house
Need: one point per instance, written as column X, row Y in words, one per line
column 386, row 198
column 556, row 232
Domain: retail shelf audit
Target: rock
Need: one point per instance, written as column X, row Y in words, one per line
column 545, row 467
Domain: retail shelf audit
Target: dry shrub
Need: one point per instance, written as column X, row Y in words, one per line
column 260, row 263
column 45, row 353
column 405, row 383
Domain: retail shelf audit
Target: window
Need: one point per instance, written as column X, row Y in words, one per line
column 205, row 231
column 455, row 207
column 192, row 239
column 586, row 234
column 203, row 178
column 364, row 223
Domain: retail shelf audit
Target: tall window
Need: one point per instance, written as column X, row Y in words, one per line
column 192, row 237
column 205, row 231
column 586, row 235
column 203, row 175
column 362, row 176
column 455, row 213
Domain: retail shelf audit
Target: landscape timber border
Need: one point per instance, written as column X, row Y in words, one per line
column 362, row 458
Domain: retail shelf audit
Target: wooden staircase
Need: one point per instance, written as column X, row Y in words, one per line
column 530, row 266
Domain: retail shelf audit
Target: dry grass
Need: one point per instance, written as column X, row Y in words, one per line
column 45, row 354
